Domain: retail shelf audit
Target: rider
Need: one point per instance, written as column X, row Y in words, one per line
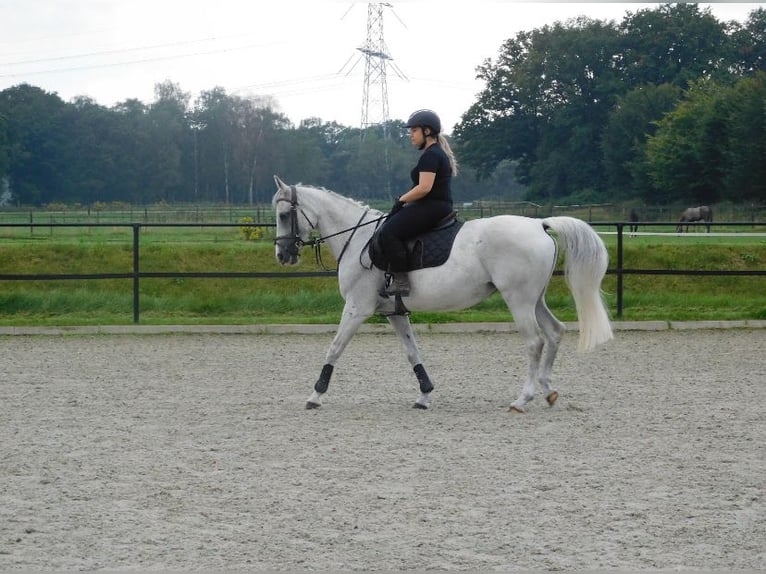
column 426, row 203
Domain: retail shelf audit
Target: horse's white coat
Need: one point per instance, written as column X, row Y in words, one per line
column 511, row 254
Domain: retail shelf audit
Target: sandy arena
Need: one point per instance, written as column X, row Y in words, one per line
column 192, row 452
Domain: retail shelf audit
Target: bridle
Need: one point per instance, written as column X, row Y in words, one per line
column 297, row 243
column 294, row 247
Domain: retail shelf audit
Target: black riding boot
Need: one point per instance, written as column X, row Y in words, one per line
column 399, row 284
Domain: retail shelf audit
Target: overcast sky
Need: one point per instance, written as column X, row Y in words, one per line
column 303, row 54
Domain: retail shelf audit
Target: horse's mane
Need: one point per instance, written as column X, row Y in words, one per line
column 345, row 198
column 351, row 200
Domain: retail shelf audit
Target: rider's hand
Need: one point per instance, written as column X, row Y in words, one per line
column 398, row 206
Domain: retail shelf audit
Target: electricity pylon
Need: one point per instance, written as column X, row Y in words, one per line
column 376, row 63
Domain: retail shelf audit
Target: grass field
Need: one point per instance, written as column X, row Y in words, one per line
column 200, row 248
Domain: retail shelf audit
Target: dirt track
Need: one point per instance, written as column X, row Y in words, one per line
column 194, row 452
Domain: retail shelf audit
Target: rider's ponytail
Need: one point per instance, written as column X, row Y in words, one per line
column 444, row 143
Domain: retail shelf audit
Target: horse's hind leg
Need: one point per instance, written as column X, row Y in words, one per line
column 524, row 316
column 552, row 330
column 403, row 328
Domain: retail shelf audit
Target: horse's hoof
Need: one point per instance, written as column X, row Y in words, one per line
column 419, row 406
column 310, row 405
column 515, row 409
column 552, row 397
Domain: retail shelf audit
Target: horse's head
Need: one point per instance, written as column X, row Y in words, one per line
column 293, row 226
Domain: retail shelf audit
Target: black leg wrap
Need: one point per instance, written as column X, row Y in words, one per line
column 426, row 386
column 324, row 379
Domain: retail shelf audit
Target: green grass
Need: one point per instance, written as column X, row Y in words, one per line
column 316, row 299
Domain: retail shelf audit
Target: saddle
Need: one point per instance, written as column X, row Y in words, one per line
column 429, row 249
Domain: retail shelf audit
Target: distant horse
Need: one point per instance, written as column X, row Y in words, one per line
column 510, row 254
column 633, row 217
column 691, row 214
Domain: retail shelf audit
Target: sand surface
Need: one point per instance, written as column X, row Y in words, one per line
column 189, row 452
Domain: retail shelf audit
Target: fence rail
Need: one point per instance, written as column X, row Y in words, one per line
column 136, row 274
column 263, row 212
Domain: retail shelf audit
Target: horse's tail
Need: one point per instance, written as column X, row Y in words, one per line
column 585, row 264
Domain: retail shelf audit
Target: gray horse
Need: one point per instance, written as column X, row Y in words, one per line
column 509, row 254
column 691, row 214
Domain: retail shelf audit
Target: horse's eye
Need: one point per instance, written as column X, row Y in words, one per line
column 283, row 216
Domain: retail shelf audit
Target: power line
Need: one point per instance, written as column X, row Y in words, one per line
column 133, row 62
column 117, row 51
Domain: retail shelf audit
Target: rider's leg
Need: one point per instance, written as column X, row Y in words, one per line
column 399, row 285
column 411, row 221
column 392, row 241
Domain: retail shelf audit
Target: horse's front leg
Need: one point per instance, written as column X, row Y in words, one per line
column 403, row 328
column 350, row 321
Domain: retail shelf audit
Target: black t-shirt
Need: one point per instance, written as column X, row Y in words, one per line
column 435, row 160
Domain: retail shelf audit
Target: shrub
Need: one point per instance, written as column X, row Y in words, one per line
column 249, row 232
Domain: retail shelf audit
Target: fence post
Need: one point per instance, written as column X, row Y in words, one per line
column 619, row 270
column 136, row 228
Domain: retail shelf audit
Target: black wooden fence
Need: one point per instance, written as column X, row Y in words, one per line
column 135, row 275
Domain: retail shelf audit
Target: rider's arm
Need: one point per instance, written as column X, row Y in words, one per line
column 425, row 184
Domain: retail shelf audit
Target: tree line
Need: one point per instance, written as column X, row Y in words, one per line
column 666, row 106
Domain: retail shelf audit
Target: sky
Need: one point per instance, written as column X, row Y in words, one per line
column 303, row 55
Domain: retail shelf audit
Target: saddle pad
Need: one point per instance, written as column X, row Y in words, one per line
column 432, row 248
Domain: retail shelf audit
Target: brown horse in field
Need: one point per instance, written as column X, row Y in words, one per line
column 691, row 214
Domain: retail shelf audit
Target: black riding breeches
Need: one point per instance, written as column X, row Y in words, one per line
column 412, row 220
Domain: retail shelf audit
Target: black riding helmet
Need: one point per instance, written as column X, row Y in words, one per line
column 425, row 119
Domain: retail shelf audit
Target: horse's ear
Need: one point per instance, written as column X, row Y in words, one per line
column 280, row 184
